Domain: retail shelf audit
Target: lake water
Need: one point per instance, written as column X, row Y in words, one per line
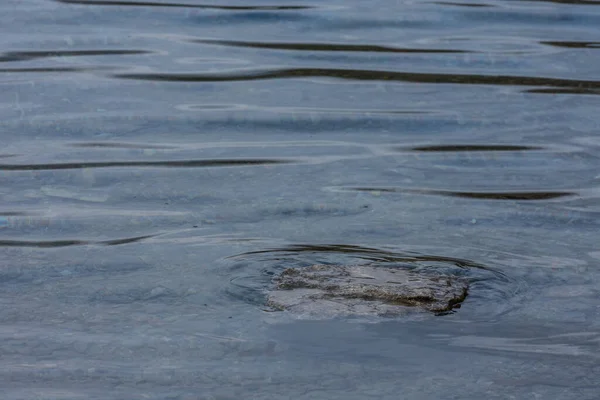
column 160, row 161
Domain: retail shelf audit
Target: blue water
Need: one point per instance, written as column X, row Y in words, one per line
column 160, row 161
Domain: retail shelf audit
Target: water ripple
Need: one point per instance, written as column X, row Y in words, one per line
column 32, row 55
column 67, row 243
column 577, row 2
column 564, row 91
column 298, row 110
column 251, row 272
column 449, row 3
column 362, row 252
column 165, row 164
column 53, row 69
column 325, row 47
column 476, row 147
column 505, row 195
column 115, row 145
column 15, row 214
column 181, row 5
column 41, row 244
column 367, row 75
column 573, row 45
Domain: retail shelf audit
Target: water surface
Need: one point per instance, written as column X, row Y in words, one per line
column 162, row 160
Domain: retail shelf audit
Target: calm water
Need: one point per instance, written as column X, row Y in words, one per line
column 161, row 160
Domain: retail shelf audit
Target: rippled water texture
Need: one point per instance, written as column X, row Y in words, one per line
column 162, row 161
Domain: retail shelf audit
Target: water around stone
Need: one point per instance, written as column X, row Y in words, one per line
column 163, row 162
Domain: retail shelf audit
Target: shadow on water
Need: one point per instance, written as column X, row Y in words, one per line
column 251, row 273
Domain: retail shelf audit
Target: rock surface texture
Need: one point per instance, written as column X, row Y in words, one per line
column 337, row 290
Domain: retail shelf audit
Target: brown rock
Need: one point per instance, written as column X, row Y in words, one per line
column 337, row 290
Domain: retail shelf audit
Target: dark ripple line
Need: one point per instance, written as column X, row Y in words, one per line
column 483, row 147
column 449, row 3
column 378, row 254
column 574, row 45
column 119, row 145
column 31, row 55
column 564, row 91
column 180, row 5
column 579, row 2
column 42, row 244
column 168, row 164
column 15, row 213
column 53, row 69
column 504, row 195
column 366, row 75
column 325, row 47
column 67, row 243
column 116, row 242
column 542, row 195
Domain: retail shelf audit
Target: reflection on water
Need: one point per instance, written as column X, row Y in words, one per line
column 162, row 160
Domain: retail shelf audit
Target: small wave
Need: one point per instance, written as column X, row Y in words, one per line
column 505, row 195
column 115, row 145
column 181, row 5
column 52, row 69
column 164, row 164
column 367, row 75
column 12, row 56
column 42, row 244
column 475, row 5
column 575, row 2
column 67, row 243
column 325, row 47
column 573, row 45
column 564, row 91
column 472, row 147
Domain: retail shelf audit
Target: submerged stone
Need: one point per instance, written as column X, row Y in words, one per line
column 338, row 290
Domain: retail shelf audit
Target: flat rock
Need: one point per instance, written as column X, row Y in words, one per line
column 338, row 290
